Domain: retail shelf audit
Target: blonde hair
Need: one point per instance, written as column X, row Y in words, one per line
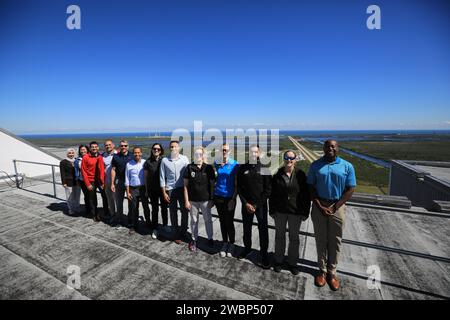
column 205, row 156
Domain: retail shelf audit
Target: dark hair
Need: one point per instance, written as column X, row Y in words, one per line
column 151, row 153
column 137, row 148
column 174, row 141
column 93, row 142
column 81, row 146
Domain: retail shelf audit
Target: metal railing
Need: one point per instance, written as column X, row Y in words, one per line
column 307, row 234
column 15, row 161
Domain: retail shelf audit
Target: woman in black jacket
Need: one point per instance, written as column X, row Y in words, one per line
column 67, row 171
column 289, row 203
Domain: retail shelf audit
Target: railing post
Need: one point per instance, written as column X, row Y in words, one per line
column 54, row 182
column 16, row 174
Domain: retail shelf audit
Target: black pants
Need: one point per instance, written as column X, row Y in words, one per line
column 226, row 218
column 138, row 195
column 85, row 191
column 156, row 197
column 261, row 216
column 92, row 200
column 177, row 198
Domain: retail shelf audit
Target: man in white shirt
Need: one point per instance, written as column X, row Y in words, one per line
column 172, row 184
column 135, row 187
column 107, row 159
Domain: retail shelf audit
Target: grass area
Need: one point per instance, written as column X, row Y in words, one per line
column 401, row 150
column 370, row 177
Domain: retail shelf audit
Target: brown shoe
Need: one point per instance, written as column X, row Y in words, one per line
column 321, row 279
column 178, row 241
column 333, row 282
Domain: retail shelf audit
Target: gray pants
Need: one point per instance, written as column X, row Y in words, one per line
column 73, row 198
column 328, row 233
column 202, row 207
column 294, row 222
column 111, row 199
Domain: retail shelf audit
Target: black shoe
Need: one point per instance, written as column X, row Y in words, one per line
column 277, row 267
column 294, row 270
column 265, row 263
column 211, row 243
column 244, row 254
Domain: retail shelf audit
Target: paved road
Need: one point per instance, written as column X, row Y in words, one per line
column 307, row 154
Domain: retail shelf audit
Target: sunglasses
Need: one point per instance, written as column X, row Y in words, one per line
column 286, row 158
column 123, row 145
column 156, row 149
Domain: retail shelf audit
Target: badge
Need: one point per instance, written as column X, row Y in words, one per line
column 193, row 174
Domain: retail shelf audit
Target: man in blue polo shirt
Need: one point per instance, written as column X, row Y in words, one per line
column 332, row 182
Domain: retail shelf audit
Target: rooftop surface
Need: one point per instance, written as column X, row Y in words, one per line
column 38, row 241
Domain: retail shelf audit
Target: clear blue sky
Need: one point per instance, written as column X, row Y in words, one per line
column 141, row 65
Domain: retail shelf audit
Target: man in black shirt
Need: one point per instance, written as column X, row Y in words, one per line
column 254, row 190
column 119, row 164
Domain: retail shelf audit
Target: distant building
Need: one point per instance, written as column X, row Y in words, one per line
column 421, row 181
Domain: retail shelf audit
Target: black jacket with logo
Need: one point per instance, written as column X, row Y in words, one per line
column 290, row 197
column 201, row 182
column 253, row 187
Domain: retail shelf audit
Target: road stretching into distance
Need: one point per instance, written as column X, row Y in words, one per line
column 307, row 154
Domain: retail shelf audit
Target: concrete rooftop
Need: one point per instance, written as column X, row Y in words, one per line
column 38, row 241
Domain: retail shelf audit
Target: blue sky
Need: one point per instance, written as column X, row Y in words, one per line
column 146, row 65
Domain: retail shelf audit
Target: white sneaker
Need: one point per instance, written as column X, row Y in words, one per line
column 154, row 234
column 230, row 250
column 223, row 251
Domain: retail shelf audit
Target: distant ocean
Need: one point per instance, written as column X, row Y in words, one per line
column 284, row 132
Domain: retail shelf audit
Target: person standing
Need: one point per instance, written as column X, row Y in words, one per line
column 254, row 190
column 93, row 171
column 82, row 150
column 107, row 161
column 171, row 179
column 135, row 187
column 151, row 176
column 332, row 182
column 199, row 179
column 289, row 203
column 118, row 166
column 225, row 193
column 67, row 170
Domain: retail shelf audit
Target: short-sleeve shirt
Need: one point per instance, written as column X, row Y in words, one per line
column 331, row 178
column 119, row 162
column 226, row 176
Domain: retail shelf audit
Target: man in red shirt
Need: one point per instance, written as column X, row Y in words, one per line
column 93, row 171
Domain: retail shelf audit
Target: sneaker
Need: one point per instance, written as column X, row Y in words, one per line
column 230, row 250
column 277, row 267
column 223, row 251
column 192, row 246
column 244, row 254
column 211, row 243
column 154, row 234
column 178, row 241
column 118, row 227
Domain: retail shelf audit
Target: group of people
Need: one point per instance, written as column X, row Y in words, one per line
column 185, row 188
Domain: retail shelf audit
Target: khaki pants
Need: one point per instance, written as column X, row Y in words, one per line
column 328, row 233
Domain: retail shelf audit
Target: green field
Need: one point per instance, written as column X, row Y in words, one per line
column 401, row 150
column 370, row 177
